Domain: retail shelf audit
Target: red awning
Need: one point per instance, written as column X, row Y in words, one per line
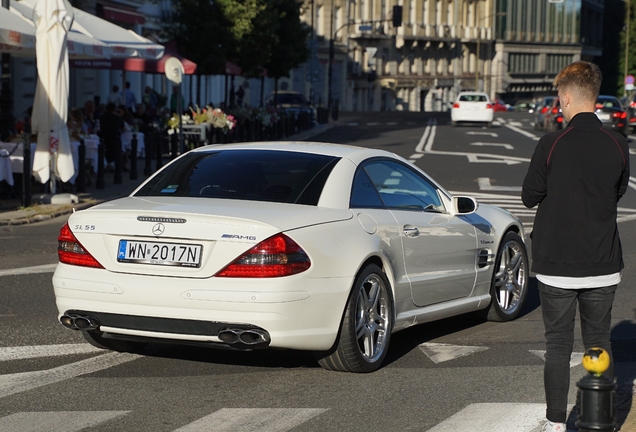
column 122, row 15
column 232, row 69
column 138, row 64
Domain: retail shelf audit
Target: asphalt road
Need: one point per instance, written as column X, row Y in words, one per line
column 458, row 374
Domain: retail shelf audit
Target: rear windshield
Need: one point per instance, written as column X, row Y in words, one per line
column 258, row 175
column 609, row 102
column 473, row 98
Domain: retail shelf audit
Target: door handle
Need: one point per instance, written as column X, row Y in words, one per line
column 410, row 231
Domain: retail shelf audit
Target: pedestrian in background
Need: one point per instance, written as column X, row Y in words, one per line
column 115, row 96
column 130, row 100
column 90, row 118
column 576, row 176
column 112, row 126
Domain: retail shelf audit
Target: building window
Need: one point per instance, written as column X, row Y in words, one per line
column 556, row 62
column 522, row 63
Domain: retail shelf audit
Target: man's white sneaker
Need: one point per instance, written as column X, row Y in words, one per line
column 554, row 427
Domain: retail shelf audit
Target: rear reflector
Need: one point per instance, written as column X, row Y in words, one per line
column 275, row 257
column 456, row 105
column 70, row 251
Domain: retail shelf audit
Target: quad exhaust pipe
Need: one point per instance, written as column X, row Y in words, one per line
column 249, row 337
column 78, row 322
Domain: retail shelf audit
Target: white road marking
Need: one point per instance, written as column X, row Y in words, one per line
column 21, row 382
column 515, row 123
column 482, row 144
column 252, row 419
column 46, row 268
column 632, row 182
column 67, row 421
column 391, row 123
column 416, row 155
column 440, row 352
column 495, row 417
column 484, row 184
column 522, row 132
column 492, row 134
column 477, row 158
column 575, row 359
column 37, row 351
column 372, row 123
column 425, row 145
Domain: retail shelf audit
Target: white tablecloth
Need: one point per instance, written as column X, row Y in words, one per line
column 5, row 167
column 126, row 140
column 92, row 145
column 17, row 159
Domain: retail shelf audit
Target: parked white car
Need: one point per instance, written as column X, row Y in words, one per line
column 307, row 246
column 472, row 107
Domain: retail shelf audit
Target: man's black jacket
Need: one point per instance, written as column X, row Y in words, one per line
column 577, row 175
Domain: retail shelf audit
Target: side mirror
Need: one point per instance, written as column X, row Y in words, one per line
column 464, row 205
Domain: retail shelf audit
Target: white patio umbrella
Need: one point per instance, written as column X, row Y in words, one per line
column 53, row 20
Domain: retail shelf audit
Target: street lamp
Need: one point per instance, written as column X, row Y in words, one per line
column 331, row 57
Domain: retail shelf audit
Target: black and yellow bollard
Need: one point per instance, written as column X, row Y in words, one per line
column 595, row 398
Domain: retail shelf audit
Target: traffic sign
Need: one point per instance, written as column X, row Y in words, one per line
column 629, row 79
column 365, row 28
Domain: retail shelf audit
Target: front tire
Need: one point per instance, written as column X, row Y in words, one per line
column 510, row 279
column 366, row 327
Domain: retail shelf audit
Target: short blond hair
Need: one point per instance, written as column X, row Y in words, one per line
column 581, row 77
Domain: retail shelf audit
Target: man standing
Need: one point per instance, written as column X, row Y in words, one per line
column 129, row 98
column 577, row 175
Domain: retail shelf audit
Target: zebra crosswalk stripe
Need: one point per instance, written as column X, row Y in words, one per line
column 252, row 419
column 67, row 421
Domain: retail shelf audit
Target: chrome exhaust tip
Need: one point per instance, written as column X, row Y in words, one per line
column 240, row 336
column 78, row 322
column 228, row 336
column 251, row 337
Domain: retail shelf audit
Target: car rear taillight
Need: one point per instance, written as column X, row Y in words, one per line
column 598, row 106
column 456, row 105
column 620, row 115
column 488, row 106
column 559, row 119
column 632, row 104
column 274, row 257
column 70, row 250
column 555, row 110
column 544, row 110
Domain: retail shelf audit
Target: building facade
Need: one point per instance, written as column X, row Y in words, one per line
column 511, row 49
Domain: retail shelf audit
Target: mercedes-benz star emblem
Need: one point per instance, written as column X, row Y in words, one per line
column 158, row 229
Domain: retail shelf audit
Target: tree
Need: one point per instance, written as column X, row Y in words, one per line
column 292, row 34
column 254, row 34
column 201, row 29
column 616, row 21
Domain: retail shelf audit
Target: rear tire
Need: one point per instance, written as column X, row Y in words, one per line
column 365, row 331
column 96, row 339
column 509, row 280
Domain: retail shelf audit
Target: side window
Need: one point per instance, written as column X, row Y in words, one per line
column 363, row 193
column 403, row 188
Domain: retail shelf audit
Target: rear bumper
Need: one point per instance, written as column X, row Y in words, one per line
column 297, row 312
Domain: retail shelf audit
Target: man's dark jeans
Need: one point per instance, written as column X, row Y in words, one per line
column 559, row 312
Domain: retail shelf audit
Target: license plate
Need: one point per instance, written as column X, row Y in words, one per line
column 603, row 116
column 168, row 254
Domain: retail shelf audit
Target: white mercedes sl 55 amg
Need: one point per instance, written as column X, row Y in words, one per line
column 305, row 246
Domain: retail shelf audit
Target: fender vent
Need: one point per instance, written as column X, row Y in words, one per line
column 484, row 258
